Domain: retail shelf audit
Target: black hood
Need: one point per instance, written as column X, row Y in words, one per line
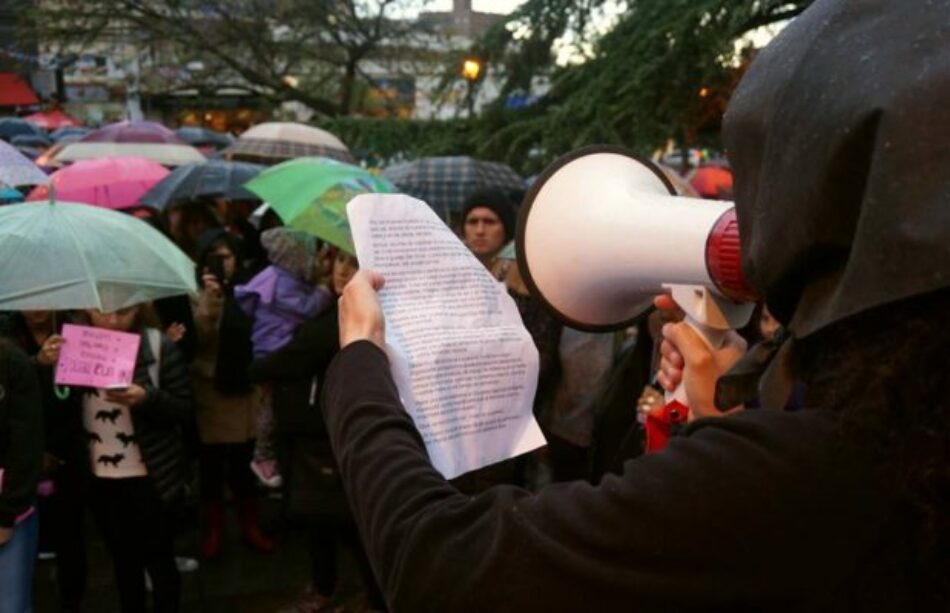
column 208, row 238
column 838, row 138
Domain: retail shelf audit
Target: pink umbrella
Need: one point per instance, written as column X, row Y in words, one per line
column 52, row 120
column 112, row 183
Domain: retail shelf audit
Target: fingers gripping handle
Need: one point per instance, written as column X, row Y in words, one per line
column 713, row 338
column 711, row 316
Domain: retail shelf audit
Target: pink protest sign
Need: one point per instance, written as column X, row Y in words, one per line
column 95, row 357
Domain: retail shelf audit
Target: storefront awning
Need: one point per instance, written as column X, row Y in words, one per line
column 15, row 91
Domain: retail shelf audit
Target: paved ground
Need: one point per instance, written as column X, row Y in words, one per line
column 240, row 580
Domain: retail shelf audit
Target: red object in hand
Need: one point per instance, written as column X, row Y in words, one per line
column 660, row 424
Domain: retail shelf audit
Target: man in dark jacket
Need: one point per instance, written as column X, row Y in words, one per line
column 842, row 198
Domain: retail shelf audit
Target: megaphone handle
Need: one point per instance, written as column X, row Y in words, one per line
column 713, row 338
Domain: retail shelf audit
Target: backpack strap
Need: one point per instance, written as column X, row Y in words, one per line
column 154, row 337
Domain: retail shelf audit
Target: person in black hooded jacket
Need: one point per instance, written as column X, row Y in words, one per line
column 842, row 196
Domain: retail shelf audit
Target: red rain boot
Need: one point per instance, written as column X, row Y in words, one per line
column 214, row 524
column 250, row 529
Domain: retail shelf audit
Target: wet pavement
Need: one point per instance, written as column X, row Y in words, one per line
column 240, row 580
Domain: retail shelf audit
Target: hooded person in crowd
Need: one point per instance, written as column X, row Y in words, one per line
column 843, row 201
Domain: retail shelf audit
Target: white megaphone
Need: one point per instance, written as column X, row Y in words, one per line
column 602, row 232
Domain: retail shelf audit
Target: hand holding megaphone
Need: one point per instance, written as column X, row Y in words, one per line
column 602, row 232
column 682, row 349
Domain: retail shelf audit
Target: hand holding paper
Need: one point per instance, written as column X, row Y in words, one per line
column 361, row 318
column 464, row 364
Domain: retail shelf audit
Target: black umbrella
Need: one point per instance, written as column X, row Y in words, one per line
column 211, row 179
column 75, row 132
column 12, row 126
column 36, row 141
column 197, row 137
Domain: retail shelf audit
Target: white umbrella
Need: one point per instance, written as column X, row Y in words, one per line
column 166, row 154
column 17, row 169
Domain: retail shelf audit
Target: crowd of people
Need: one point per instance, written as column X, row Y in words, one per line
column 834, row 499
column 224, row 405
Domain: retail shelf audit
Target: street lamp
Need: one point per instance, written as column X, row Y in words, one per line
column 472, row 71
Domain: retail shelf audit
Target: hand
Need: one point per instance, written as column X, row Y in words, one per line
column 361, row 317
column 210, row 284
column 49, row 352
column 688, row 359
column 649, row 400
column 5, row 535
column 175, row 332
column 129, row 397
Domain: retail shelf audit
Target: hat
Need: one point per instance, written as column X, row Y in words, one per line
column 841, row 165
column 498, row 202
column 293, row 250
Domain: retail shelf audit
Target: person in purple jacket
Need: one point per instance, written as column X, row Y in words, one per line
column 279, row 299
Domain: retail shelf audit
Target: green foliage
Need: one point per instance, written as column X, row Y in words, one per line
column 642, row 85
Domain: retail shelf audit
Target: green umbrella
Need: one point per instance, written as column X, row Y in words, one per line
column 59, row 255
column 311, row 194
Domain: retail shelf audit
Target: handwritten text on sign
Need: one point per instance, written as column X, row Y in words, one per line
column 94, row 357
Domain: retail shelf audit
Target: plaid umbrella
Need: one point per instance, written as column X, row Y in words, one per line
column 273, row 142
column 17, row 169
column 215, row 178
column 445, row 183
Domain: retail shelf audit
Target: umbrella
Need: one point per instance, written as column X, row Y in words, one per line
column 131, row 139
column 112, row 183
column 166, row 155
column 133, row 132
column 9, row 195
column 199, row 137
column 311, row 194
column 17, row 169
column 52, row 120
column 712, row 182
column 12, row 126
column 214, row 178
column 69, row 132
column 445, row 183
column 274, row 142
column 37, row 141
column 74, row 256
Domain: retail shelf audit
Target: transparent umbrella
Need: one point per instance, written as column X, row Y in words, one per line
column 60, row 255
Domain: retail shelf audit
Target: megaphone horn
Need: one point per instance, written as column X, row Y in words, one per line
column 602, row 232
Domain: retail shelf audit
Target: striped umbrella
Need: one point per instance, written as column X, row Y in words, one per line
column 445, row 183
column 274, row 142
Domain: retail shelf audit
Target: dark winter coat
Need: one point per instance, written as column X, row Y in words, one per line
column 758, row 511
column 21, row 433
column 297, row 370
